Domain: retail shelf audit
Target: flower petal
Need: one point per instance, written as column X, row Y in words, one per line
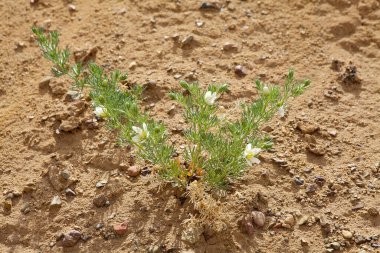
column 137, row 129
column 136, row 138
column 99, row 111
column 210, row 97
column 256, row 151
column 281, row 111
column 255, row 160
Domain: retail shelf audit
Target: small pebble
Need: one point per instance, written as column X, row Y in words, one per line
column 133, row 171
column 298, row 181
column 45, row 82
column 71, row 238
column 332, row 132
column 303, row 219
column 71, row 7
column 346, row 234
column 25, row 208
column 65, row 174
column 357, row 206
column 304, row 242
column 72, row 95
column 7, row 205
column 289, row 220
column 319, row 180
column 85, row 238
column 99, row 200
column 103, row 180
column 187, row 41
column 154, row 249
column 70, row 192
column 199, row 23
column 132, row 65
column 209, row 6
column 120, row 229
column 246, row 224
column 240, row 70
column 258, row 218
column 373, row 212
column 229, row 47
column 310, row 188
column 55, row 202
column 335, row 245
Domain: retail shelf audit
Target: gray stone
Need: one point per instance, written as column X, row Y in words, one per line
column 44, row 83
column 191, row 234
column 100, row 200
column 65, row 174
column 70, row 124
column 258, row 218
column 335, row 245
column 346, row 234
column 187, row 41
column 25, row 208
column 71, row 238
column 55, row 202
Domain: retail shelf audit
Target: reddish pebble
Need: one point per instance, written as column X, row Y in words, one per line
column 120, row 229
column 133, row 171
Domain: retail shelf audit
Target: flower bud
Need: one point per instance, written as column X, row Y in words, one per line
column 266, row 90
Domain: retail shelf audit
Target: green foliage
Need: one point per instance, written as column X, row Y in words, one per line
column 218, row 149
column 218, row 146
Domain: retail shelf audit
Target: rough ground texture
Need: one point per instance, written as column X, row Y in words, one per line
column 323, row 182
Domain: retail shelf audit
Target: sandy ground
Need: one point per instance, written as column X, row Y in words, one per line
column 329, row 139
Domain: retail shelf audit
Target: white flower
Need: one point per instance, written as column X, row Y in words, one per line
column 266, row 90
column 282, row 111
column 141, row 134
column 210, row 97
column 251, row 153
column 100, row 111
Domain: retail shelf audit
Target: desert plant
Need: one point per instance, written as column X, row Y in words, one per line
column 218, row 149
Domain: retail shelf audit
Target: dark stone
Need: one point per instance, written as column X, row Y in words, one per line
column 310, row 188
column 319, row 180
column 298, row 181
column 240, row 70
column 209, row 7
column 100, row 200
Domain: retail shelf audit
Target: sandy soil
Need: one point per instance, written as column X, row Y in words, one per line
column 329, row 140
